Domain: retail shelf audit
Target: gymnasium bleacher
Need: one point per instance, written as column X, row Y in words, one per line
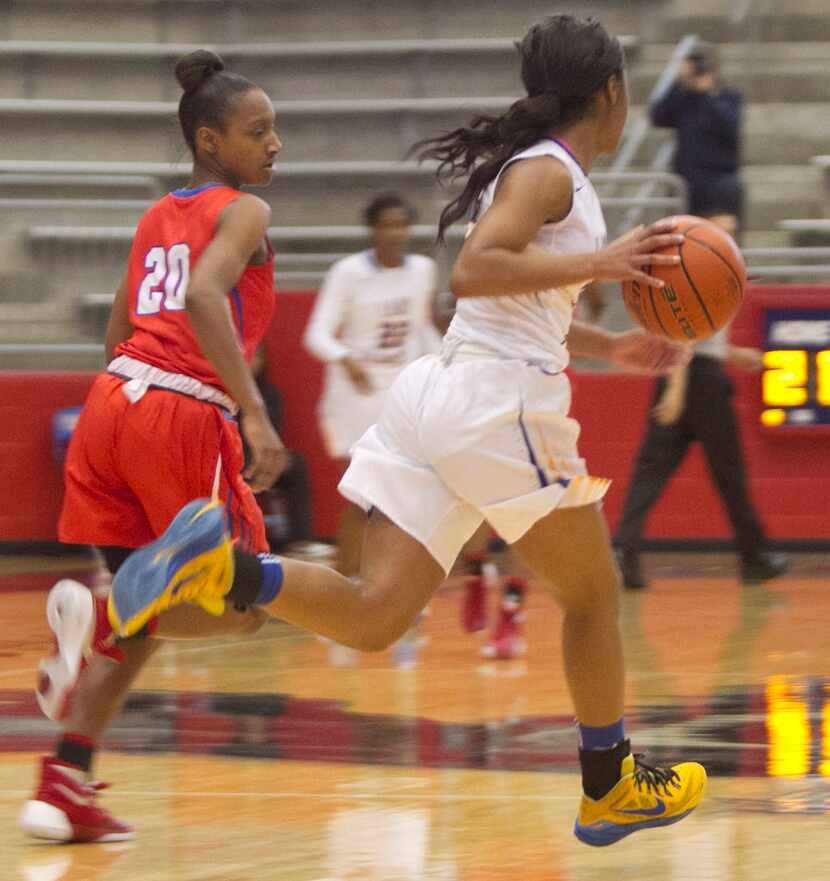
column 90, row 137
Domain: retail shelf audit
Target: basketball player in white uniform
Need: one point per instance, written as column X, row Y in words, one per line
column 372, row 317
column 482, row 430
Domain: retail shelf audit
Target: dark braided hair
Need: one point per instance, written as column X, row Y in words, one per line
column 565, row 62
column 209, row 92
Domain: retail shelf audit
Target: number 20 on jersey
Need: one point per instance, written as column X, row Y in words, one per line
column 165, row 285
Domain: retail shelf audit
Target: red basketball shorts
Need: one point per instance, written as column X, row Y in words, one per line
column 131, row 466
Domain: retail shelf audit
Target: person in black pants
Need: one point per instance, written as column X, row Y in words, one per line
column 707, row 117
column 293, row 484
column 695, row 404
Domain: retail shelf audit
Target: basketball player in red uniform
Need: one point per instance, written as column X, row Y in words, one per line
column 159, row 427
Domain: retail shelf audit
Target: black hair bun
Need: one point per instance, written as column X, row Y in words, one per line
column 192, row 70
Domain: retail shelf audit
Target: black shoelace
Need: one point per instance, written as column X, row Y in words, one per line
column 653, row 778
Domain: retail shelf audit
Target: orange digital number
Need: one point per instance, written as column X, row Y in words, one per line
column 785, row 378
column 823, row 378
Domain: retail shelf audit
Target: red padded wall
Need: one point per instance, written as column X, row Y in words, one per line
column 299, row 377
column 31, row 482
column 790, row 480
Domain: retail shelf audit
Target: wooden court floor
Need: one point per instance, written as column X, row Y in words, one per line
column 256, row 759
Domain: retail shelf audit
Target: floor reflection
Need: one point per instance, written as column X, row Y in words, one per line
column 781, row 729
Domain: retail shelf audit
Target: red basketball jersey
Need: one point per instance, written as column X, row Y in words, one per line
column 168, row 243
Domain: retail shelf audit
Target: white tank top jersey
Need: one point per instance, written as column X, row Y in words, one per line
column 534, row 327
column 370, row 312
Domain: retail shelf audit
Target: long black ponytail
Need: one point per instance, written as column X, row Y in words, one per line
column 565, row 61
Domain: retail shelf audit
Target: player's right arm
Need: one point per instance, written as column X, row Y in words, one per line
column 499, row 258
column 240, row 231
column 633, row 350
column 328, row 316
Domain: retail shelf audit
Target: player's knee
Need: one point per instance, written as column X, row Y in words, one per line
column 599, row 595
column 379, row 635
column 381, row 630
column 382, row 620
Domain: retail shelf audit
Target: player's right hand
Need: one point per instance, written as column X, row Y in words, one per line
column 629, row 257
column 268, row 456
column 358, row 376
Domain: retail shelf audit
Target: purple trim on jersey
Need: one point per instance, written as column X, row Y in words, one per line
column 236, row 299
column 543, row 480
column 229, row 509
column 184, row 193
column 567, row 149
column 543, row 369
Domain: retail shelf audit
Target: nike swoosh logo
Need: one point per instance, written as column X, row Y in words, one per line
column 188, row 579
column 656, row 811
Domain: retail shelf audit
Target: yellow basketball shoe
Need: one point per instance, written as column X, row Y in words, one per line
column 192, row 561
column 644, row 797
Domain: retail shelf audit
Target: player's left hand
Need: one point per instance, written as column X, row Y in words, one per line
column 639, row 352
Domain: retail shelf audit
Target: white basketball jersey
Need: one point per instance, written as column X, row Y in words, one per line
column 534, row 327
column 369, row 312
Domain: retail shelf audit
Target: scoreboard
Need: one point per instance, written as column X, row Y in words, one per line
column 795, row 382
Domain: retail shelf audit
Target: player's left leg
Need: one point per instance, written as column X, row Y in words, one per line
column 64, row 806
column 570, row 551
column 398, row 577
column 85, row 695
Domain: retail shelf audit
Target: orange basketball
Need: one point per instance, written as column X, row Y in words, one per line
column 701, row 295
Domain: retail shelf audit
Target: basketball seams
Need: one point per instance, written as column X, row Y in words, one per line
column 693, row 286
column 685, row 232
column 654, row 307
column 719, row 256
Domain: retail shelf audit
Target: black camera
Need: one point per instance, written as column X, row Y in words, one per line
column 701, row 63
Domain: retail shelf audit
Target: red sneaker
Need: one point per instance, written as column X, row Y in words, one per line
column 506, row 642
column 64, row 809
column 80, row 625
column 474, row 606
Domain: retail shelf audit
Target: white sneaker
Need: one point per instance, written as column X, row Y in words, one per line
column 342, row 655
column 70, row 611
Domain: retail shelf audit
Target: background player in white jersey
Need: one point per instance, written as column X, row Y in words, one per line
column 372, row 317
column 482, row 431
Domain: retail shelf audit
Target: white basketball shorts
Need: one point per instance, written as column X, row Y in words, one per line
column 478, row 438
column 345, row 414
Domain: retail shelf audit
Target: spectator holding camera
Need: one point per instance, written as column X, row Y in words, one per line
column 707, row 116
column 694, row 403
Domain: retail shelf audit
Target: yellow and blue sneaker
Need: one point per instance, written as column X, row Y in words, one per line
column 643, row 798
column 192, row 561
